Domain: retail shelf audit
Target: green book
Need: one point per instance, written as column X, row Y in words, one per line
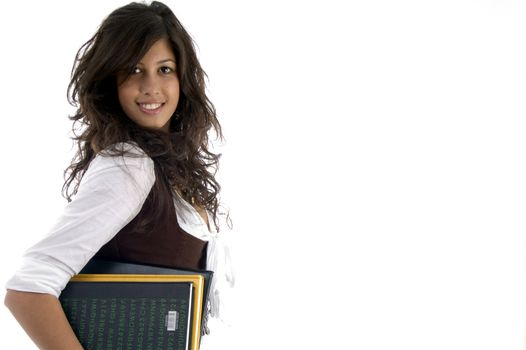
column 135, row 310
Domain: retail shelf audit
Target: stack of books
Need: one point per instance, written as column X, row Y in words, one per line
column 117, row 305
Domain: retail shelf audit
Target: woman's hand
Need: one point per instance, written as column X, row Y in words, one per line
column 43, row 319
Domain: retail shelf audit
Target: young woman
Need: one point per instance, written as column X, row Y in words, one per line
column 142, row 186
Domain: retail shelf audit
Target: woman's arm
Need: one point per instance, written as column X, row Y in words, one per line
column 43, row 319
column 109, row 196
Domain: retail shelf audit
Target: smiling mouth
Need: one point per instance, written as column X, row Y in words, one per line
column 150, row 108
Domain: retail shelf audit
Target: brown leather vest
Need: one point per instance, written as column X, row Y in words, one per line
column 168, row 245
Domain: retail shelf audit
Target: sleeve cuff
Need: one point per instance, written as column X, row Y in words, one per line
column 39, row 276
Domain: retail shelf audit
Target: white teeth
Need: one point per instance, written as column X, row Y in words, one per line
column 151, row 105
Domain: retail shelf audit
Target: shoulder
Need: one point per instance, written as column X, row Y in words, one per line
column 127, row 149
column 124, row 153
column 121, row 162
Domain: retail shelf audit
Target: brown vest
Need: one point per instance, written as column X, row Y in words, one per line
column 168, row 245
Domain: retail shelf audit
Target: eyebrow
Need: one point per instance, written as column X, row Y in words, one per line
column 162, row 61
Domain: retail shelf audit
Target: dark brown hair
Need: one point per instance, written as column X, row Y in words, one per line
column 181, row 157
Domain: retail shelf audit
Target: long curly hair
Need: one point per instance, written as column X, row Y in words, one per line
column 182, row 159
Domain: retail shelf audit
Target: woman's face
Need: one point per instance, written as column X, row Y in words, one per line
column 150, row 94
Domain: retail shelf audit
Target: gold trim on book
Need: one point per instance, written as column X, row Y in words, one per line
column 196, row 280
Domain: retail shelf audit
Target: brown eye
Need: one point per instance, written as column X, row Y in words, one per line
column 166, row 70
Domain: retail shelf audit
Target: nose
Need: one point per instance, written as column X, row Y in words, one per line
column 150, row 84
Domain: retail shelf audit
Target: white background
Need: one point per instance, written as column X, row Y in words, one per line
column 374, row 163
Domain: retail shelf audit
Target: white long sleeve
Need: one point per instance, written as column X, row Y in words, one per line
column 110, row 195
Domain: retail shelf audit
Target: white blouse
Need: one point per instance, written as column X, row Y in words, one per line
column 110, row 194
